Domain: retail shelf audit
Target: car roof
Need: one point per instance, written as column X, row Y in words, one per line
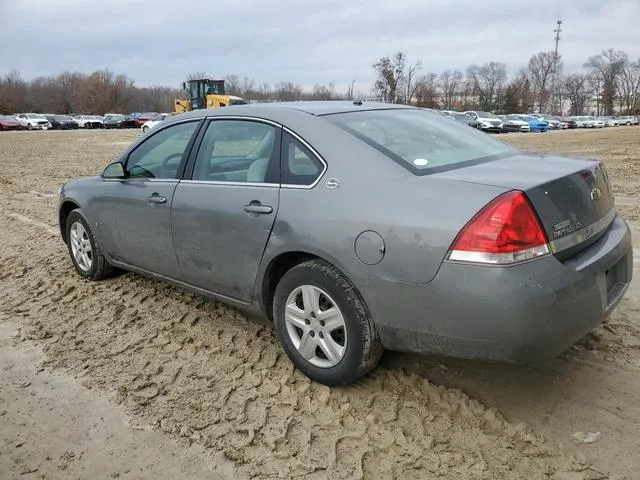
column 269, row 109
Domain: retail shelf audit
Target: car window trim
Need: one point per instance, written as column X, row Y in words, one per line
column 191, row 162
column 183, row 161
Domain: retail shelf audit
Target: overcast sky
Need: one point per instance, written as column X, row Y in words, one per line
column 158, row 42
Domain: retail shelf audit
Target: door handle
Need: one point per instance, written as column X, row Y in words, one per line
column 155, row 198
column 257, row 208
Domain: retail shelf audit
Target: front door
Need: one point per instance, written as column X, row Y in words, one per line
column 222, row 217
column 134, row 214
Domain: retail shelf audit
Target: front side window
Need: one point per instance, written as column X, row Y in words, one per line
column 420, row 141
column 159, row 156
column 238, row 151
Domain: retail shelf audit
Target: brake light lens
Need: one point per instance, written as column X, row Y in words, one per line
column 505, row 231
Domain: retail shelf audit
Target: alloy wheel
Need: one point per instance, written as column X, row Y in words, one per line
column 81, row 246
column 316, row 326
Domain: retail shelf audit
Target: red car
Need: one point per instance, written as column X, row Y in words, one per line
column 9, row 123
column 145, row 117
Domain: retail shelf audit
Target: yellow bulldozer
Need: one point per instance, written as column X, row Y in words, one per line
column 206, row 93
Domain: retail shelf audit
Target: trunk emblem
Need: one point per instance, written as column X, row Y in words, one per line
column 596, row 194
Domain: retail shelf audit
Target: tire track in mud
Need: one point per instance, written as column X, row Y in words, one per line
column 200, row 371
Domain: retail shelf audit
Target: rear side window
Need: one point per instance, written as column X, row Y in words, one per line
column 299, row 165
column 421, row 141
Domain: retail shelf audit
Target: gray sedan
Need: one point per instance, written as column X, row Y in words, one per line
column 356, row 227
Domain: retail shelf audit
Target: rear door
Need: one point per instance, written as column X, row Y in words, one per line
column 223, row 212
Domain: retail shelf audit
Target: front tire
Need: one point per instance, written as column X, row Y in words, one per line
column 83, row 248
column 324, row 325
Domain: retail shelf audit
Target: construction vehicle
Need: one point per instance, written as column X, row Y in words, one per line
column 206, row 93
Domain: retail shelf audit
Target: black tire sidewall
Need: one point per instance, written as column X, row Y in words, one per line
column 78, row 216
column 323, row 276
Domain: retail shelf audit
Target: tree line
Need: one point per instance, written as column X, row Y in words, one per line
column 609, row 81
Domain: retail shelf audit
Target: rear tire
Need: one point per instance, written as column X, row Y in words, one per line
column 85, row 253
column 310, row 294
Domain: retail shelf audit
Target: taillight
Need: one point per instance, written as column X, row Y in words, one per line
column 505, row 231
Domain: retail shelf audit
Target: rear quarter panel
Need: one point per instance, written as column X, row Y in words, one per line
column 418, row 217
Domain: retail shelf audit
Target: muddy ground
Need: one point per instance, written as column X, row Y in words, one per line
column 200, row 375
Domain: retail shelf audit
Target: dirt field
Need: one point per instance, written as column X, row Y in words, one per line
column 198, row 375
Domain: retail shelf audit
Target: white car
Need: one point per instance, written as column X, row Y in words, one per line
column 89, row 121
column 33, row 121
column 627, row 120
column 487, row 121
column 149, row 124
column 587, row 121
column 609, row 121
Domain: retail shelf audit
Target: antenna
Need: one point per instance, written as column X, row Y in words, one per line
column 557, row 31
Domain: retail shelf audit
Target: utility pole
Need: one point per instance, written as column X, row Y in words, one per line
column 557, row 31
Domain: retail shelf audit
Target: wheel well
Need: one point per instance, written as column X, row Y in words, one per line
column 275, row 271
column 65, row 209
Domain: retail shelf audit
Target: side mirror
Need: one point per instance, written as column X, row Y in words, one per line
column 184, row 85
column 114, row 170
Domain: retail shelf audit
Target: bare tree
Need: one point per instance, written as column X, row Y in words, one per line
column 323, row 92
column 232, row 85
column 264, row 92
column 541, row 67
column 426, row 91
column 487, row 81
column 450, row 83
column 350, row 90
column 409, row 81
column 390, row 75
column 628, row 87
column 517, row 96
column 577, row 91
column 607, row 67
column 248, row 90
column 287, row 92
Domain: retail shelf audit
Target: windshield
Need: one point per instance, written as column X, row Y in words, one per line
column 37, row 116
column 235, row 101
column 463, row 116
column 114, row 117
column 486, row 115
column 62, row 118
column 419, row 140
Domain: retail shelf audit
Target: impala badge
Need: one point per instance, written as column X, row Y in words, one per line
column 596, row 194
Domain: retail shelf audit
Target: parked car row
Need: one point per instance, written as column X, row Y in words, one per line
column 588, row 121
column 39, row 121
column 534, row 122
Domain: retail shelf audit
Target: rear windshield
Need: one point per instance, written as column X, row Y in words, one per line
column 421, row 141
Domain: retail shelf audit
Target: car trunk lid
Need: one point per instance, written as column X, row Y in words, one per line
column 572, row 198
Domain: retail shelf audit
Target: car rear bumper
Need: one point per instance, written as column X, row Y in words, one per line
column 531, row 311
